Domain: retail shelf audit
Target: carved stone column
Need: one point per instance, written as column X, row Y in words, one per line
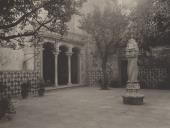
column 132, row 95
column 56, row 53
column 69, row 54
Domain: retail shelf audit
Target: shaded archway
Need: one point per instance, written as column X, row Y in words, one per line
column 62, row 66
column 75, row 66
column 48, row 64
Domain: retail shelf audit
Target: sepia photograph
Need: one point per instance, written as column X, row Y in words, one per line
column 84, row 63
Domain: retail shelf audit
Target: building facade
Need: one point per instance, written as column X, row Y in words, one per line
column 59, row 62
column 154, row 69
column 71, row 61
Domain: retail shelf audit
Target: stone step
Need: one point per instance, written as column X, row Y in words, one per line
column 50, row 89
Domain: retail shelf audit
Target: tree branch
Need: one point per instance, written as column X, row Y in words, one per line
column 23, row 17
column 19, row 20
column 45, row 26
column 25, row 34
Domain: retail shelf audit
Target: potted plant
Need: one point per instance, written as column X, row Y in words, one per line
column 25, row 89
column 41, row 89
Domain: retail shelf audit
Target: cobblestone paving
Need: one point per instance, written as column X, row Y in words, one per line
column 91, row 108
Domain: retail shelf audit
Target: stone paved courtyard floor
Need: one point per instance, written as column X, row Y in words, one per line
column 91, row 108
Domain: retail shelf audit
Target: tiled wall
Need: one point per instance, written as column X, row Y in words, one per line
column 149, row 77
column 14, row 79
column 94, row 77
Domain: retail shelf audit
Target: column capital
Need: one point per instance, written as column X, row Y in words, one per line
column 56, row 44
column 69, row 53
column 56, row 52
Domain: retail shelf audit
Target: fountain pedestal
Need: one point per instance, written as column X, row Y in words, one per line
column 132, row 95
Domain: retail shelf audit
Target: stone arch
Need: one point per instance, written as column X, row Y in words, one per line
column 75, row 66
column 48, row 63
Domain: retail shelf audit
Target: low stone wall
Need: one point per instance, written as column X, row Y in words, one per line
column 14, row 79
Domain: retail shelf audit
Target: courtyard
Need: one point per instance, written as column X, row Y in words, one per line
column 90, row 107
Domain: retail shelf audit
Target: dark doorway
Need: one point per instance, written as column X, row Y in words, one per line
column 75, row 66
column 124, row 75
column 48, row 64
column 62, row 66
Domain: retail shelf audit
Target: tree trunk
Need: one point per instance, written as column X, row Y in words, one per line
column 104, row 84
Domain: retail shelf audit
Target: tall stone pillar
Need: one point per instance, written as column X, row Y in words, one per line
column 56, row 68
column 56, row 53
column 132, row 95
column 69, row 54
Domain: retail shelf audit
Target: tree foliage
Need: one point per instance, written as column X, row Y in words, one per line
column 106, row 28
column 153, row 22
column 23, row 18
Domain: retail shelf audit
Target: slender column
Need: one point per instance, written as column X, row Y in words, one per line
column 69, row 54
column 56, row 53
